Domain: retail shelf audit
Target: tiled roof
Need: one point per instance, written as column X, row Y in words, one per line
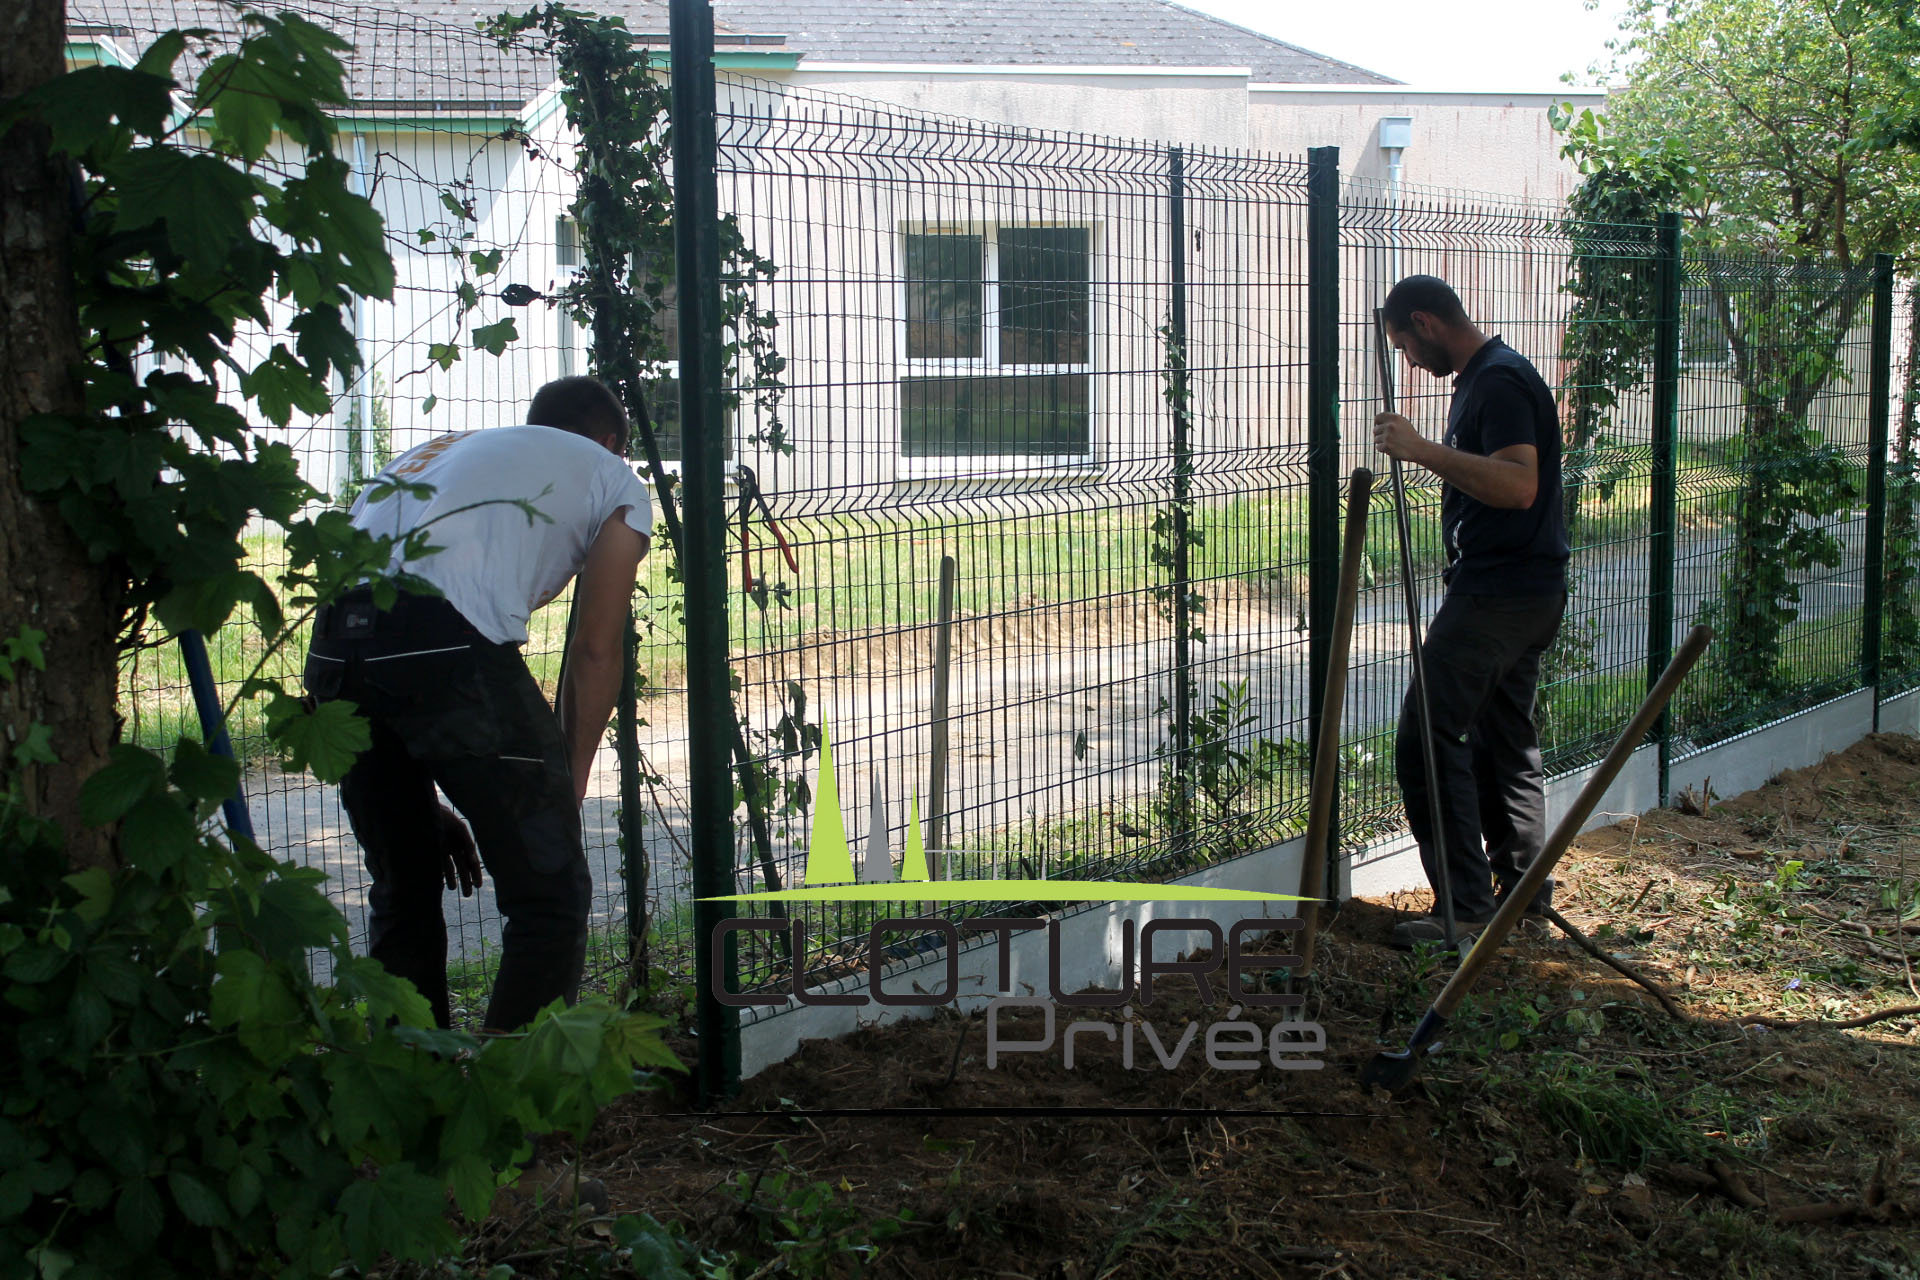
column 1102, row 33
column 430, row 54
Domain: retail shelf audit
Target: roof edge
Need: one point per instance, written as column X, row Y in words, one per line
column 1026, row 69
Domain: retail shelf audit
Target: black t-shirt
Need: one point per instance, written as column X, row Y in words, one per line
column 1500, row 400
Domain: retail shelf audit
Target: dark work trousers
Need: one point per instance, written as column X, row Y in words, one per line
column 448, row 706
column 1483, row 664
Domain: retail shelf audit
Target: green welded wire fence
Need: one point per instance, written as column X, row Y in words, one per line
column 457, row 144
column 1511, row 261
column 1085, row 370
column 1771, row 468
column 1071, row 364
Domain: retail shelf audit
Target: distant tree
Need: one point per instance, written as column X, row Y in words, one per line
column 1773, row 105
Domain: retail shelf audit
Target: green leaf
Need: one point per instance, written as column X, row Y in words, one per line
column 294, row 916
column 244, row 110
column 493, row 338
column 37, row 746
column 83, row 106
column 88, row 1015
column 280, row 384
column 203, row 776
column 473, row 1184
column 95, row 887
column 243, row 1189
column 25, row 647
column 139, row 1213
column 251, row 995
column 486, row 261
column 130, row 774
column 426, row 406
column 360, row 978
column 119, row 979
column 198, row 1205
column 158, row 833
column 34, row 964
column 443, row 354
column 402, row 1213
column 325, row 740
column 204, row 203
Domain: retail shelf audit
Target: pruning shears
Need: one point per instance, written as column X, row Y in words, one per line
column 752, row 496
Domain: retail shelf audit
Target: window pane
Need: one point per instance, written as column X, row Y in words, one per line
column 653, row 284
column 1045, row 295
column 986, row 417
column 943, row 297
column 663, row 410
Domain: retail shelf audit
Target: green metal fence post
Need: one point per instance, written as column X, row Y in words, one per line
column 1323, row 447
column 1178, row 391
column 1669, row 270
column 1873, row 619
column 702, row 421
column 626, row 741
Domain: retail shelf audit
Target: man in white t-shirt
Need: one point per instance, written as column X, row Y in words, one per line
column 516, row 513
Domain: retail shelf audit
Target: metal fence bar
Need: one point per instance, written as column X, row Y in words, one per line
column 1179, row 403
column 703, row 425
column 1323, row 451
column 1662, row 494
column 1880, row 385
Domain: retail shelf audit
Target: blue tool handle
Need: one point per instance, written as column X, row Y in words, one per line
column 213, row 726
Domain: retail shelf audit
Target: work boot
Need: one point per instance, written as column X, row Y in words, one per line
column 1537, row 909
column 1409, row 933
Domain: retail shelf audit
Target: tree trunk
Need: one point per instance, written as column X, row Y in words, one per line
column 46, row 582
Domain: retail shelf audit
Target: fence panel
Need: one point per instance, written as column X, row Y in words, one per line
column 1771, row 469
column 1512, row 263
column 978, row 327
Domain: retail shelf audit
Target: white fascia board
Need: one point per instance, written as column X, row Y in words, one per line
column 1020, row 69
column 1415, row 93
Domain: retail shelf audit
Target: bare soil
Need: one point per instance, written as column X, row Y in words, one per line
column 1569, row 1126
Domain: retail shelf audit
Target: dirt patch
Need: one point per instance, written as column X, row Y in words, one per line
column 1568, row 1127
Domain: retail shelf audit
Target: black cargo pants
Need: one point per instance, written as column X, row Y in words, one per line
column 448, row 706
column 1482, row 657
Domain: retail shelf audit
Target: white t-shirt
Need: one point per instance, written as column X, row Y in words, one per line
column 495, row 565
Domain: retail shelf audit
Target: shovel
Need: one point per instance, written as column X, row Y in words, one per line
column 1395, row 1071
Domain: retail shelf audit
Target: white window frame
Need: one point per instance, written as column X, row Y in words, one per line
column 988, row 363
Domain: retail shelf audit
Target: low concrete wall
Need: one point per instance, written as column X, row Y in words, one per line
column 1753, row 759
column 1901, row 714
column 1090, row 937
column 1392, row 865
column 1090, row 948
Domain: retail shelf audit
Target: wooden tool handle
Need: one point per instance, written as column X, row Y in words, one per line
column 1569, row 826
column 1326, row 756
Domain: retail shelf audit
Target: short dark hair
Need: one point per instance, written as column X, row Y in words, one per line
column 585, row 406
column 1430, row 294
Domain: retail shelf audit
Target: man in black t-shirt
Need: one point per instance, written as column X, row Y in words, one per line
column 1506, row 540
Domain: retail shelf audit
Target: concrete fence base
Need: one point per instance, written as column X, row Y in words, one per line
column 1091, row 937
